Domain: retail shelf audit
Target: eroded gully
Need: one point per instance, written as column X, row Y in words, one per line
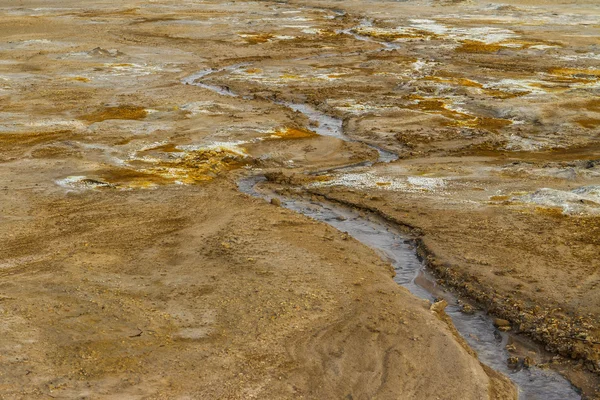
column 398, row 249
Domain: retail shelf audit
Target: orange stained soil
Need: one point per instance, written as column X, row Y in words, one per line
column 294, row 133
column 438, row 106
column 165, row 148
column 198, row 166
column 119, row 112
column 257, row 38
column 589, row 123
column 390, row 36
column 474, row 46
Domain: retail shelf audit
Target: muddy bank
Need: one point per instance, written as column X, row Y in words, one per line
column 172, row 292
column 495, row 346
column 568, row 332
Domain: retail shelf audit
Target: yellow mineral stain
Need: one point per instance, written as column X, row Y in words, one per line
column 486, row 123
column 526, row 44
column 500, row 198
column 431, row 105
column 119, row 112
column 590, row 105
column 194, row 167
column 257, row 38
column 294, row 133
column 499, row 94
column 593, row 105
column 465, row 82
column 589, row 123
column 290, row 76
column 573, row 75
column 435, row 106
column 328, row 32
column 81, row 79
column 474, row 46
column 319, row 178
column 552, row 87
column 591, row 74
column 28, row 139
column 199, row 166
column 253, row 70
column 392, row 35
column 555, row 212
column 131, row 178
column 469, row 83
column 454, row 81
column 456, row 118
column 165, row 148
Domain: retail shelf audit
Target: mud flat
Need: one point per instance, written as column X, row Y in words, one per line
column 132, row 266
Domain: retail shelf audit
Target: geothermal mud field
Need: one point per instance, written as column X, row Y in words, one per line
column 300, row 199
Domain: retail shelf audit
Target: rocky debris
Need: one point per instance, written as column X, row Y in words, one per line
column 513, row 362
column 276, row 202
column 100, row 52
column 528, row 362
column 439, row 306
column 558, row 332
column 502, row 324
column 518, row 363
column 466, row 308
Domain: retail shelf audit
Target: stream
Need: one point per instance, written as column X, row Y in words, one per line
column 397, row 248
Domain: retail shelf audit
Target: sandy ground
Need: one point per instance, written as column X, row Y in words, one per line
column 132, row 267
column 173, row 293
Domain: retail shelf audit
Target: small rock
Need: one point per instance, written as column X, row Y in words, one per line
column 467, row 309
column 510, row 347
column 499, row 322
column 439, row 306
column 345, row 236
column 528, row 362
column 276, row 202
column 513, row 362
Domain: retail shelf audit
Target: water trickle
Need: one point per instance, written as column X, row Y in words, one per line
column 331, row 126
column 194, row 79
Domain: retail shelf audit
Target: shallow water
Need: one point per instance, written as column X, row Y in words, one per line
column 331, row 126
column 397, row 248
column 194, row 79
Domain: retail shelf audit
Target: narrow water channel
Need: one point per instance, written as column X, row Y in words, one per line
column 394, row 246
column 397, row 248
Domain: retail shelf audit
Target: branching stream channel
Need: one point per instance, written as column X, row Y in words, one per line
column 396, row 247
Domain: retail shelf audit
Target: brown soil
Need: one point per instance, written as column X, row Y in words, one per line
column 132, row 266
